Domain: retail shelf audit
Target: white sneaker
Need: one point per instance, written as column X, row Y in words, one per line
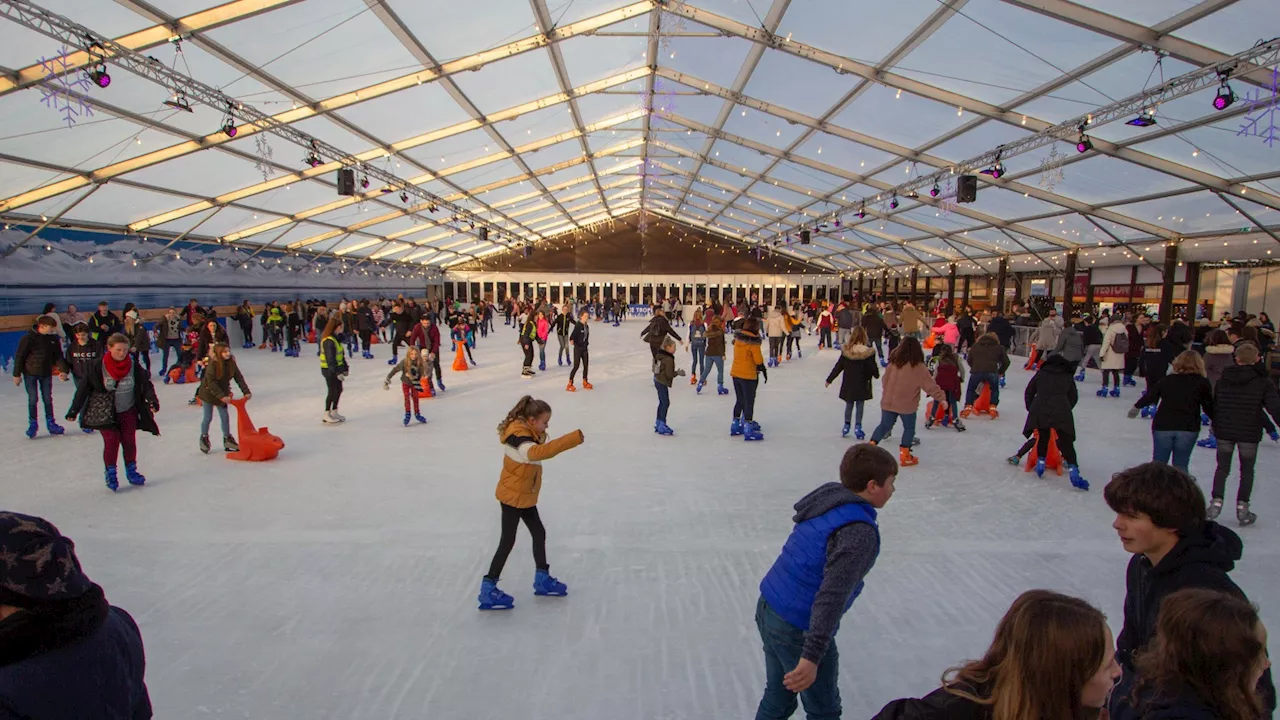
column 329, row 419
column 336, row 416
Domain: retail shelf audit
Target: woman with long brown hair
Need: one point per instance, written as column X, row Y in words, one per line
column 904, row 378
column 215, row 392
column 333, row 366
column 1207, row 658
column 1052, row 658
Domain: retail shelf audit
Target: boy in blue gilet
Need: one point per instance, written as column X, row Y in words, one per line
column 814, row 582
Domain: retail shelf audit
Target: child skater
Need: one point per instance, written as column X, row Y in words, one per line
column 748, row 366
column 1242, row 398
column 413, row 370
column 564, row 326
column 333, row 366
column 858, row 363
column 904, row 378
column 715, row 355
column 697, row 344
column 665, row 373
column 580, row 339
column 528, row 336
column 523, row 434
column 816, row 579
column 215, row 392
column 1050, row 397
column 459, row 335
column 1156, row 356
column 948, row 373
column 84, row 354
column 544, row 330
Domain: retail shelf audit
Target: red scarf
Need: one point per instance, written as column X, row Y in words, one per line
column 117, row 369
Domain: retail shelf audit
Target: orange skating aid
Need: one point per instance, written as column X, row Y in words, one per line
column 460, row 360
column 191, row 374
column 256, row 444
column 424, row 390
column 983, row 403
column 1054, row 461
column 1031, row 361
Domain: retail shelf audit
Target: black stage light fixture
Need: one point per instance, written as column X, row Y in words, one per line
column 935, row 190
column 346, row 181
column 364, row 182
column 99, row 76
column 994, row 171
column 966, row 188
column 1225, row 97
column 229, row 128
column 526, row 251
column 804, row 237
column 1084, row 144
column 893, row 204
column 177, row 102
column 1146, row 118
column 404, row 197
column 862, row 211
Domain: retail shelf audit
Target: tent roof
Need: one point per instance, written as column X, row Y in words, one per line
column 748, row 117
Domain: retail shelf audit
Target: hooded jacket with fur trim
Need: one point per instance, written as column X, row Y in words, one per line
column 859, row 366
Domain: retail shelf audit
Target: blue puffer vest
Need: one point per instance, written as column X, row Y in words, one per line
column 792, row 583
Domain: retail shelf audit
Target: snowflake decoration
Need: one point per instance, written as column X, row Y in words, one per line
column 677, row 25
column 1266, row 107
column 948, row 201
column 1051, row 169
column 63, row 88
column 265, row 156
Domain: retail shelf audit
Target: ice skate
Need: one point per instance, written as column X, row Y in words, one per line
column 1204, row 420
column 993, row 412
column 558, row 362
column 928, row 423
column 134, row 477
column 407, row 418
column 53, row 427
column 857, row 432
column 883, row 364
column 570, row 388
column 336, row 416
column 420, row 419
column 663, row 429
column 1146, row 412
column 544, row 584
column 204, row 444
column 1102, row 391
column 1243, row 516
column 182, row 378
column 1040, row 467
column 693, row 379
column 1115, row 392
column 526, row 373
column 1077, row 482
column 441, row 384
column 86, row 431
column 328, row 418
column 394, row 359
column 33, row 427
column 752, row 432
column 1080, row 376
column 542, row 366
column 698, row 389
column 491, row 598
column 721, row 391
column 735, row 427
column 1001, row 381
column 1274, row 435
column 959, row 426
column 1013, row 460
column 586, row 385
column 799, row 352
column 906, row 459
column 229, row 444
column 1129, row 381
column 1210, row 442
column 112, row 483
column 845, row 432
column 788, row 357
column 1214, row 510
column 967, row 411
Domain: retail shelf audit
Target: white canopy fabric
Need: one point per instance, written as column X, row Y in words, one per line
column 749, row 118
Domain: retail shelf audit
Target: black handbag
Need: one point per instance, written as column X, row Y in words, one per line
column 99, row 411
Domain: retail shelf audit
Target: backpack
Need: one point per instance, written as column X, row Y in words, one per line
column 1120, row 343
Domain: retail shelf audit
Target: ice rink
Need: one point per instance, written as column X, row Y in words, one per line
column 339, row 581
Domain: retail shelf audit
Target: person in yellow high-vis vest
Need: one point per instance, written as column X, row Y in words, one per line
column 333, row 365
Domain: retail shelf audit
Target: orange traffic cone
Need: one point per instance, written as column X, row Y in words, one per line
column 425, row 391
column 983, row 403
column 1054, row 461
column 256, row 444
column 1031, row 361
column 460, row 361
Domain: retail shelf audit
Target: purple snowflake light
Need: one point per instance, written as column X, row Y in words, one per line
column 1265, row 102
column 63, row 88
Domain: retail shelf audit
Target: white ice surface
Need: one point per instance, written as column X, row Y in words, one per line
column 339, row 581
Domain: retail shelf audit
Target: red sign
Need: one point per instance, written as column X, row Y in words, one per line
column 1080, row 288
column 1111, row 292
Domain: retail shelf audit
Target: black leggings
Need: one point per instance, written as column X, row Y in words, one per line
column 511, row 518
column 583, row 356
column 366, row 339
column 775, row 346
column 334, row 384
column 791, row 339
column 528, row 355
column 1115, row 375
column 1066, row 445
column 744, row 405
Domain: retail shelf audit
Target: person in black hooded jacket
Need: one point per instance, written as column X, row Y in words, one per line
column 657, row 331
column 1050, row 397
column 1160, row 518
column 1239, row 399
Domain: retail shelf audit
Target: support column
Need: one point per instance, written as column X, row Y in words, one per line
column 884, row 284
column 1068, row 284
column 1166, row 285
column 1193, row 291
column 1088, row 292
column 964, row 300
column 951, row 289
column 911, row 293
column 1000, row 278
column 896, row 288
column 1133, row 283
column 1017, row 289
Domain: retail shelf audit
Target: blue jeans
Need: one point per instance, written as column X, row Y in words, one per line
column 1178, row 443
column 699, row 352
column 208, row 419
column 975, row 381
column 718, row 362
column 664, row 399
column 887, row 420
column 848, row 410
column 43, row 387
column 783, row 643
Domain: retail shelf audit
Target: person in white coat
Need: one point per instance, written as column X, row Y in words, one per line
column 776, row 329
column 1112, row 358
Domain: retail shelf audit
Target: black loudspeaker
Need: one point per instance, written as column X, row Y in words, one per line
column 966, row 188
column 346, row 181
column 804, row 237
column 484, row 234
column 527, row 251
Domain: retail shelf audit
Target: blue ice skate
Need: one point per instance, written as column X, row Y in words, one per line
column 701, row 384
column 752, row 432
column 1274, row 435
column 544, row 584
column 86, row 431
column 1204, row 420
column 112, row 483
column 1001, row 381
column 736, row 428
column 1146, row 412
column 1102, row 391
column 162, row 373
column 883, row 364
column 1129, row 381
column 32, row 428
column 542, row 366
column 1080, row 376
column 845, row 431
column 441, row 384
column 419, row 418
column 1040, row 465
column 1115, row 392
column 407, row 417
column 857, row 432
column 721, row 391
column 394, row 360
column 1076, row 481
column 182, row 378
column 1210, row 442
column 131, row 472
column 53, row 427
column 491, row 598
column 663, row 429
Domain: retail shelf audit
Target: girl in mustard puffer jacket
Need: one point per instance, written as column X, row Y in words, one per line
column 523, row 433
